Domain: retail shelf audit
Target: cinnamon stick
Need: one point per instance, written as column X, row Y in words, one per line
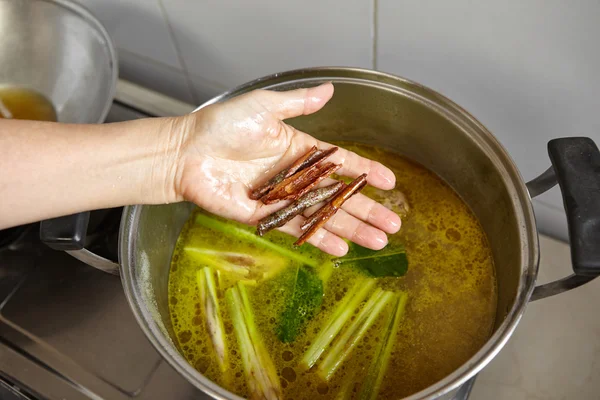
column 314, row 158
column 319, row 214
column 319, row 218
column 311, row 157
column 326, row 173
column 291, row 186
column 289, row 171
column 283, row 216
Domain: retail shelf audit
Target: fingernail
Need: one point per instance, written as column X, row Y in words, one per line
column 316, row 99
column 380, row 241
column 386, row 177
column 319, row 96
column 338, row 248
column 394, row 223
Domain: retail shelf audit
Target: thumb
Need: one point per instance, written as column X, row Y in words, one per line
column 293, row 103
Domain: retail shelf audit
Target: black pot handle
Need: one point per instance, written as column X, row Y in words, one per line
column 576, row 168
column 68, row 234
column 65, row 233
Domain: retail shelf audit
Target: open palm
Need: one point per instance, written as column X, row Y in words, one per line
column 237, row 145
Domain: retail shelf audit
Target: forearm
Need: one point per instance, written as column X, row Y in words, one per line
column 50, row 169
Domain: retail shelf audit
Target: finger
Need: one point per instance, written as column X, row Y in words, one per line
column 347, row 226
column 323, row 239
column 368, row 210
column 365, row 209
column 293, row 103
column 353, row 165
column 359, row 206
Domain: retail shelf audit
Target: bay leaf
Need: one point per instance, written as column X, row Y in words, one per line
column 390, row 261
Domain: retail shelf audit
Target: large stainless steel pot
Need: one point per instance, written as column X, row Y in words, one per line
column 389, row 111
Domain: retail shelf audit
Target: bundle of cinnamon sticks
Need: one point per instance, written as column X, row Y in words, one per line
column 298, row 182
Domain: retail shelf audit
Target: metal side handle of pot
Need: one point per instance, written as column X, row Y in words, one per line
column 576, row 169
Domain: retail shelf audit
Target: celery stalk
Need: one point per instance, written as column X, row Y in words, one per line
column 344, row 345
column 260, row 371
column 372, row 384
column 239, row 233
column 340, row 317
column 239, row 265
column 211, row 258
column 207, row 286
column 347, row 387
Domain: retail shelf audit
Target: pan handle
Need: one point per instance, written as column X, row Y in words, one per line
column 68, row 234
column 576, row 169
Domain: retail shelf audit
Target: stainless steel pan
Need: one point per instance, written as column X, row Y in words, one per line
column 385, row 110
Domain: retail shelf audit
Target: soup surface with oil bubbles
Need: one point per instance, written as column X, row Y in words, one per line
column 266, row 320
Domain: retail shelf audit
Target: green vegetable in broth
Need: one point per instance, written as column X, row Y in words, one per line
column 305, row 299
column 267, row 320
column 371, row 385
column 241, row 265
column 209, row 302
column 261, row 374
column 347, row 388
column 390, row 261
column 342, row 314
column 232, row 230
column 325, row 270
column 348, row 339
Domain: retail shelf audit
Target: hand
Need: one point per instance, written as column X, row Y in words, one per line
column 228, row 148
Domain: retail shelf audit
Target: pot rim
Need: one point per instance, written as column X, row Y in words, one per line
column 457, row 115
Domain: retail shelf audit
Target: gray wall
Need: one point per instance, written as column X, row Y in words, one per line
column 528, row 70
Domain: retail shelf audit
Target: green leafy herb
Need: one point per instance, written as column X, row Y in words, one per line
column 391, row 261
column 383, row 353
column 306, row 298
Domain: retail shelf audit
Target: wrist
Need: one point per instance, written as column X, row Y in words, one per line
column 163, row 176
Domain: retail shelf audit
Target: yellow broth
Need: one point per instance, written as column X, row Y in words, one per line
column 21, row 103
column 450, row 285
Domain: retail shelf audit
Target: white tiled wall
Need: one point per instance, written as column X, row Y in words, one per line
column 194, row 50
column 233, row 42
column 527, row 69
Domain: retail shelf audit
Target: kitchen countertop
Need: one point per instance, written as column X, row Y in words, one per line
column 554, row 353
